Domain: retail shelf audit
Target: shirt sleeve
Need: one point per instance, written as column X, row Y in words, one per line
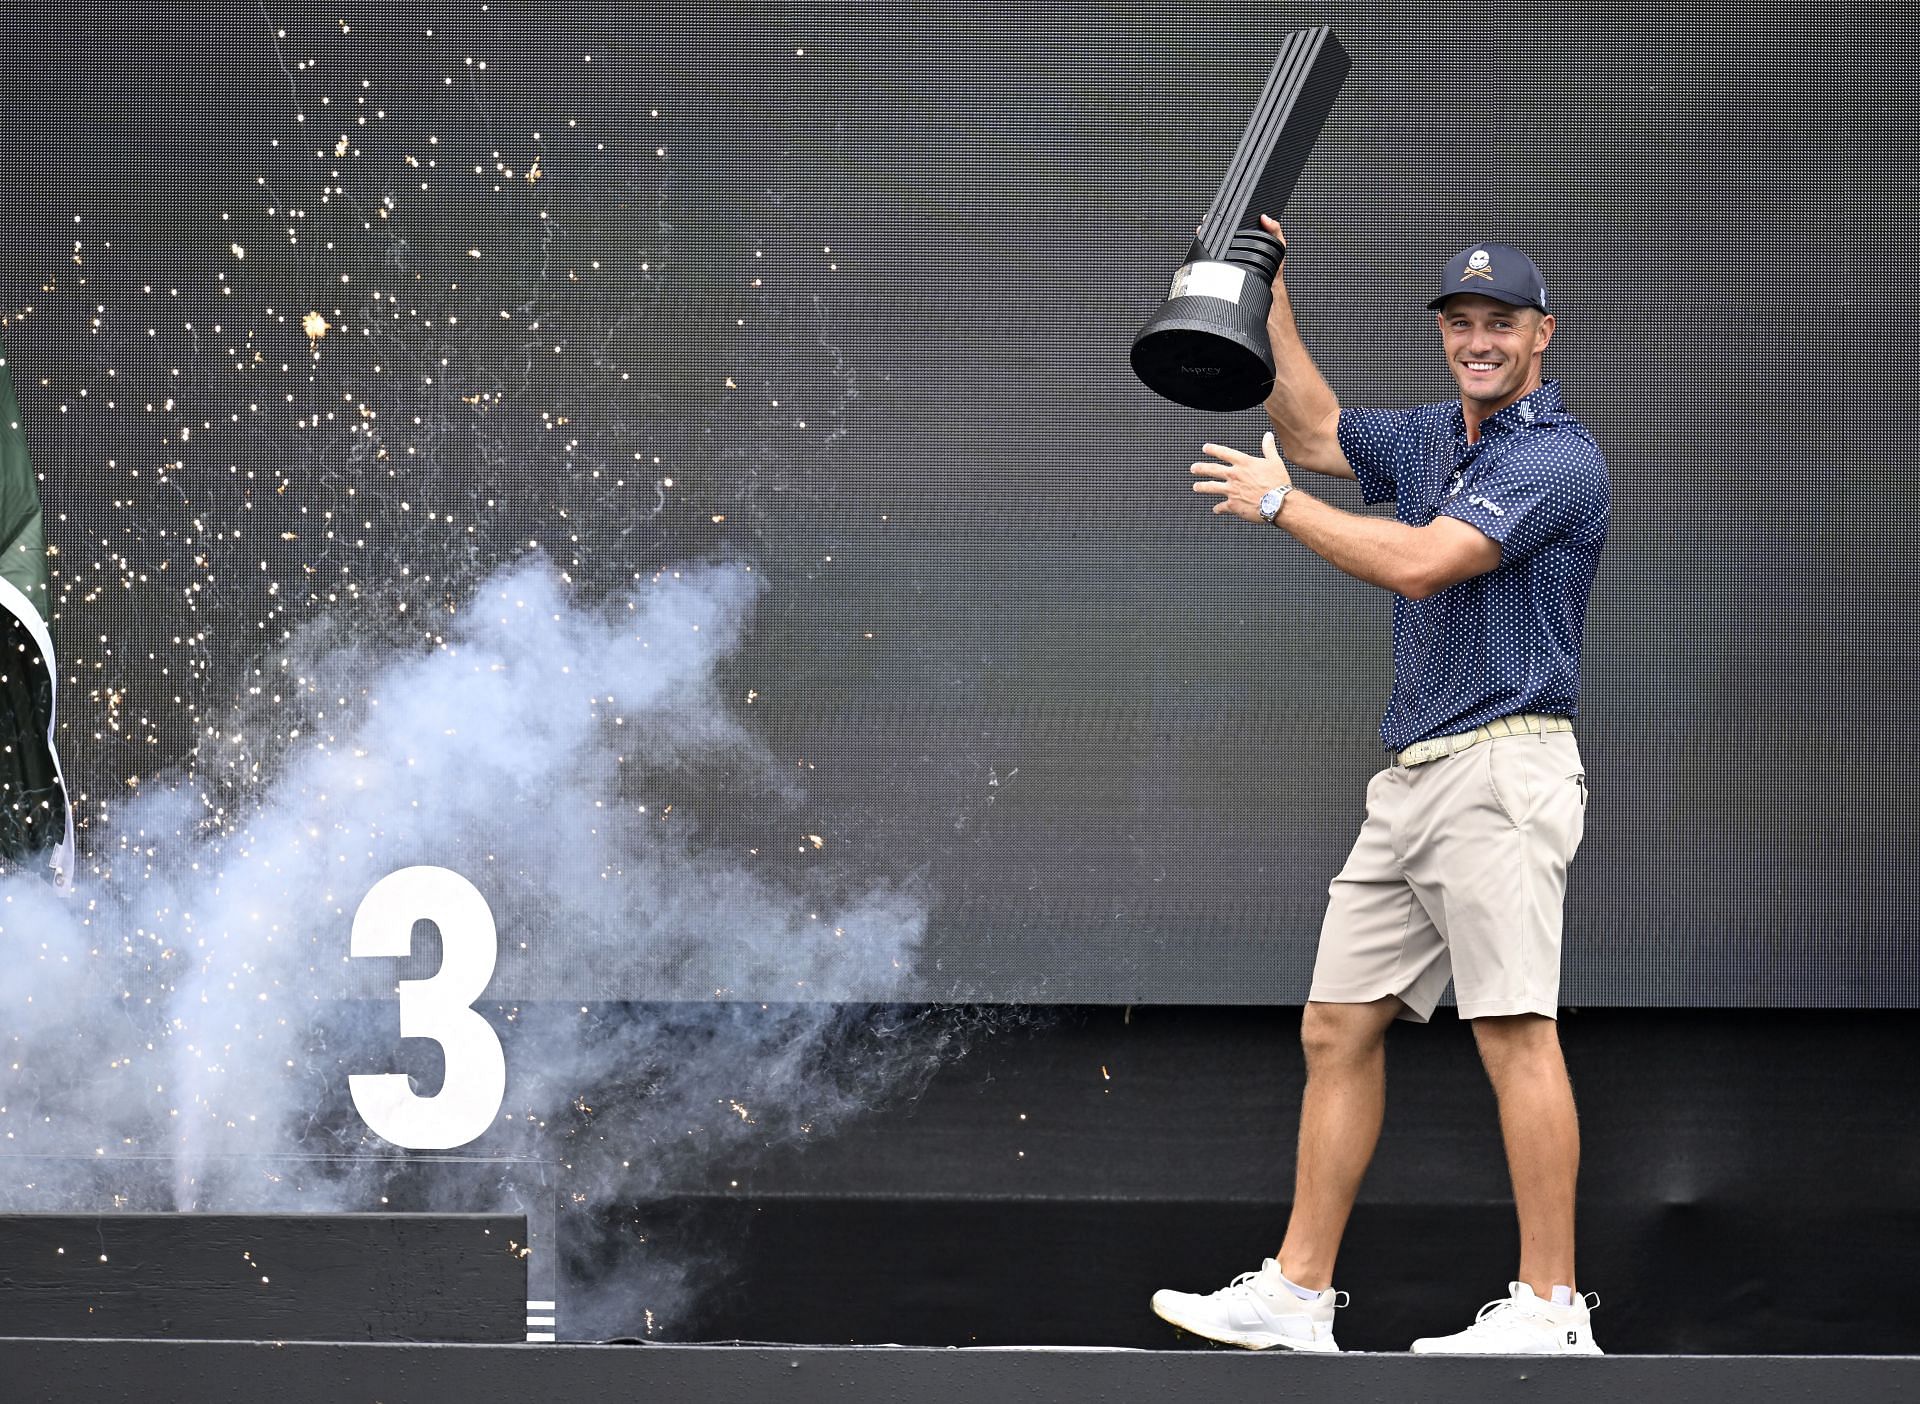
column 1542, row 493
column 1372, row 440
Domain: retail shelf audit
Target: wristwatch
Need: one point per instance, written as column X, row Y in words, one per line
column 1271, row 503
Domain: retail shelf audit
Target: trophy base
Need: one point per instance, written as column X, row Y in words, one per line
column 1206, row 348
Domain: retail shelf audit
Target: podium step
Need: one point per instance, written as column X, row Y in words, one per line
column 265, row 1277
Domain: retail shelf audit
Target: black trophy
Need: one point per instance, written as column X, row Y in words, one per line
column 1206, row 348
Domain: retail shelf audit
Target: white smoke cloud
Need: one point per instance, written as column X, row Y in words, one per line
column 179, row 1034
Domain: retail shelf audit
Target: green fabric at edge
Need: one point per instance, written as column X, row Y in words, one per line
column 32, row 804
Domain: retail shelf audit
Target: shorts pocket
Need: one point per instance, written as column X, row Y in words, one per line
column 1500, row 800
column 1576, row 819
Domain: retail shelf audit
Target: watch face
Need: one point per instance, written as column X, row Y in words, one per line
column 1270, row 504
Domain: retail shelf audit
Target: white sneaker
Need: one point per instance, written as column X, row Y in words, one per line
column 1256, row 1310
column 1521, row 1324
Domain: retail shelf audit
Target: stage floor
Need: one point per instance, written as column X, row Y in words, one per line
column 61, row 1371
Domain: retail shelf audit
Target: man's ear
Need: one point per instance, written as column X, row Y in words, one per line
column 1546, row 329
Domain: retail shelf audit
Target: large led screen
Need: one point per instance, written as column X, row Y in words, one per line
column 678, row 469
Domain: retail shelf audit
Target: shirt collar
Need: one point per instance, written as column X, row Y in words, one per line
column 1535, row 408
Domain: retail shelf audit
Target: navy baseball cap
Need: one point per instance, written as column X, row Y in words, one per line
column 1498, row 271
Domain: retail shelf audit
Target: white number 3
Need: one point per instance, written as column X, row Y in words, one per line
column 438, row 1008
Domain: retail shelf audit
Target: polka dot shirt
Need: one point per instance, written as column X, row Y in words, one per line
column 1507, row 641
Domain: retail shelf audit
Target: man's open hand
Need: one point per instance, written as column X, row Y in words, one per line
column 1239, row 479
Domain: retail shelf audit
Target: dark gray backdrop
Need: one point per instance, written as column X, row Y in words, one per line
column 1117, row 746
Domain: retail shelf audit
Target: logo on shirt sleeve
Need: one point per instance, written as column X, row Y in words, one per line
column 1478, row 501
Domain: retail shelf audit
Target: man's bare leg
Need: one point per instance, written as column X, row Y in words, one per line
column 1542, row 1133
column 1340, row 1115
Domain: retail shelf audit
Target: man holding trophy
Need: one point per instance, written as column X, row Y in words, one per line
column 1460, row 868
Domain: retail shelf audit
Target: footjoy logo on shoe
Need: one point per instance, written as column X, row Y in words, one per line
column 1573, row 1338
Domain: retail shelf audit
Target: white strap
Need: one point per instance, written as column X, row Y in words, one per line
column 21, row 608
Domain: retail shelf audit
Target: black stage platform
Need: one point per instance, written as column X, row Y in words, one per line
column 1739, row 1200
column 47, row 1371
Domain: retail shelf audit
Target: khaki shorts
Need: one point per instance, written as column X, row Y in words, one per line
column 1460, row 870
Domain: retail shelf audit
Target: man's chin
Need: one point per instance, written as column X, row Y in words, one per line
column 1483, row 394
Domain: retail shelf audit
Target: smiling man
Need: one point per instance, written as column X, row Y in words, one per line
column 1460, row 868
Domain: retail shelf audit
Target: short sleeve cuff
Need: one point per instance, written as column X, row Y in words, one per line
column 1360, row 440
column 1483, row 516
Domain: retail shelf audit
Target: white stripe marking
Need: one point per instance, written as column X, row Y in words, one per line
column 539, row 1335
column 540, row 1306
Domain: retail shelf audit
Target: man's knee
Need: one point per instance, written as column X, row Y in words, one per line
column 1334, row 1033
column 1510, row 1042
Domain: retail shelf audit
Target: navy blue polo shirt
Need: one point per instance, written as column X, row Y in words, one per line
column 1507, row 641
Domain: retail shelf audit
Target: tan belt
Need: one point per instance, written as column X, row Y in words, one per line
column 1440, row 747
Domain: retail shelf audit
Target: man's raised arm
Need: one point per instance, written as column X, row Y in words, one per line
column 1303, row 408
